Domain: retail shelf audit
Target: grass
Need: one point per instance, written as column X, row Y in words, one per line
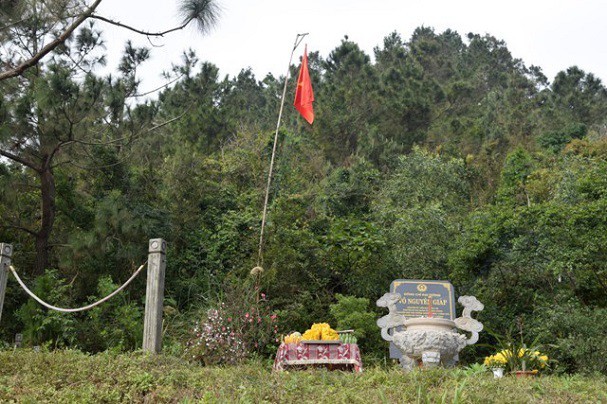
column 72, row 376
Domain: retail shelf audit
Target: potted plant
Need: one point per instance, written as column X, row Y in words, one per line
column 497, row 363
column 516, row 357
column 528, row 362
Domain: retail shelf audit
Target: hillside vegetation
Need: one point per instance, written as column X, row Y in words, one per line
column 441, row 157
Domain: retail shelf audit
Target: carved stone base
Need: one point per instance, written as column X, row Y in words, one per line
column 407, row 363
column 432, row 341
column 432, row 347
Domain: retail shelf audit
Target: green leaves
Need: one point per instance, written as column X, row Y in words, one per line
column 555, row 141
column 419, row 209
column 353, row 313
column 42, row 326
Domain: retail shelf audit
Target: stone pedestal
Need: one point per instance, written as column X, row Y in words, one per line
column 431, row 341
column 434, row 341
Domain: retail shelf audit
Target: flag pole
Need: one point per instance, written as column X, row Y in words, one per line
column 298, row 39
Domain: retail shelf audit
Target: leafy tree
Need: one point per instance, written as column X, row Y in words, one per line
column 350, row 190
column 525, row 258
column 404, row 113
column 352, row 312
column 517, row 168
column 419, row 209
column 555, row 141
column 578, row 97
column 59, row 106
column 348, row 89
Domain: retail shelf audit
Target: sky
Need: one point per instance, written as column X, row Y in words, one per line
column 553, row 34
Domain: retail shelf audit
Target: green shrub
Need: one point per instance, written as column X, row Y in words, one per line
column 575, row 335
column 351, row 312
column 115, row 324
column 44, row 326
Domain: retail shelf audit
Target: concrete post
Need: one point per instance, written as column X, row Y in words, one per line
column 6, row 251
column 154, row 295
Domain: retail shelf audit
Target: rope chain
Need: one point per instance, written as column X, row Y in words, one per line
column 90, row 306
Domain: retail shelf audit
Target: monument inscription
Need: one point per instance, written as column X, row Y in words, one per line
column 416, row 296
column 422, row 298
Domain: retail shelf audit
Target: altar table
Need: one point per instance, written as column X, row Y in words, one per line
column 333, row 356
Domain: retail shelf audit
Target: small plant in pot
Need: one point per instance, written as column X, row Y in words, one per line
column 516, row 357
column 519, row 360
column 497, row 363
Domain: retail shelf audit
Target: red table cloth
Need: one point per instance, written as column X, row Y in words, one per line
column 318, row 354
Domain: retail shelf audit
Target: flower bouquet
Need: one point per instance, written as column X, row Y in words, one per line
column 497, row 363
column 516, row 357
column 525, row 362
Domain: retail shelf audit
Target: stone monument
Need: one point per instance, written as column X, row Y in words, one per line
column 420, row 324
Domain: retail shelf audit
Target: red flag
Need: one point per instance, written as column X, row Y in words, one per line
column 304, row 96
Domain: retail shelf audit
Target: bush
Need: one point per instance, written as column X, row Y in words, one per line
column 216, row 340
column 240, row 327
column 576, row 336
column 350, row 312
column 44, row 326
column 253, row 318
column 115, row 324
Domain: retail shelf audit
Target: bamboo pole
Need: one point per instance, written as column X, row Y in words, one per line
column 298, row 39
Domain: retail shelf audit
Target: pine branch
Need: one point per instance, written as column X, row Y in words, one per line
column 138, row 31
column 17, row 71
column 25, row 229
column 20, row 160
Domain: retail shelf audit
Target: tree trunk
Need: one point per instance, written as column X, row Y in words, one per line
column 48, row 193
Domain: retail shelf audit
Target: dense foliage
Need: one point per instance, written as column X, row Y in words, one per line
column 442, row 157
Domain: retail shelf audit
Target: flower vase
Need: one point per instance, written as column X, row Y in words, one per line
column 498, row 373
column 525, row 373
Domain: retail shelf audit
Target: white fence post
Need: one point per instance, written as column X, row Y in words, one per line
column 154, row 295
column 6, row 251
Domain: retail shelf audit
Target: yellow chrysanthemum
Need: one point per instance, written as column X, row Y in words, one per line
column 500, row 357
column 311, row 335
column 329, row 335
column 321, row 331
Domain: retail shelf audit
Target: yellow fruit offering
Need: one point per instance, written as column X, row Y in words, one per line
column 320, row 331
column 311, row 335
column 293, row 338
column 330, row 335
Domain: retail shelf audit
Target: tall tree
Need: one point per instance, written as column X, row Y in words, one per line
column 348, row 87
column 41, row 27
column 51, row 102
column 578, row 97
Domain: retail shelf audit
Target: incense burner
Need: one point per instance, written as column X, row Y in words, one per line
column 429, row 341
